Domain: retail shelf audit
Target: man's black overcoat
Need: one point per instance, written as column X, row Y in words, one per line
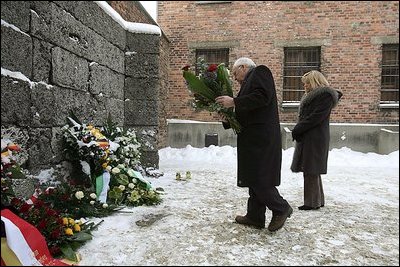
column 259, row 148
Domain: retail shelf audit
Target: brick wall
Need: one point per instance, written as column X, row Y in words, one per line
column 131, row 11
column 350, row 34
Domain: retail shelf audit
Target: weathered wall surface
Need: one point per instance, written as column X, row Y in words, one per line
column 71, row 55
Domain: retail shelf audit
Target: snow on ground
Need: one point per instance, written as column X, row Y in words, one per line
column 194, row 225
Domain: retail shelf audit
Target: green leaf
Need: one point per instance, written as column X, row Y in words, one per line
column 115, row 193
column 68, row 252
column 16, row 172
column 82, row 237
column 73, row 116
column 223, row 78
column 197, row 86
column 122, row 179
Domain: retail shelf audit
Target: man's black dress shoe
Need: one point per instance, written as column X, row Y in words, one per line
column 247, row 221
column 278, row 221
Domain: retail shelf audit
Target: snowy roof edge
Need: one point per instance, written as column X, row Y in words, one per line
column 129, row 26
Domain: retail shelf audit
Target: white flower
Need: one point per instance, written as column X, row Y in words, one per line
column 108, row 168
column 122, row 187
column 131, row 173
column 105, row 205
column 79, row 195
column 91, row 202
column 115, row 170
column 93, row 196
column 131, row 185
column 121, row 166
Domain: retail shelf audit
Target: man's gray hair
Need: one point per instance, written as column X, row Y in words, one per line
column 244, row 61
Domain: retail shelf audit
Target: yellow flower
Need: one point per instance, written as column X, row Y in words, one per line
column 65, row 221
column 68, row 231
column 104, row 165
column 71, row 221
column 97, row 134
column 77, row 228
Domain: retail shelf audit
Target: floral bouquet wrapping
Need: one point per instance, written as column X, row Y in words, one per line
column 213, row 81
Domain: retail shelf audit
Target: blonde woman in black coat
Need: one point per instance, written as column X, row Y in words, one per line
column 259, row 147
column 311, row 134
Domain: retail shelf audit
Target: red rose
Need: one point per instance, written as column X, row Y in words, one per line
column 55, row 234
column 186, row 68
column 39, row 203
column 212, row 67
column 51, row 212
column 42, row 224
column 49, row 191
column 55, row 250
column 24, row 208
column 15, row 201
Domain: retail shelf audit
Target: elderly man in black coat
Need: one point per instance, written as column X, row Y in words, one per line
column 259, row 147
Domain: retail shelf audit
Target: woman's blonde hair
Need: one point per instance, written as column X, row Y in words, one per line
column 315, row 79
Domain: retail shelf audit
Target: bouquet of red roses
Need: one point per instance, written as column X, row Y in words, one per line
column 213, row 81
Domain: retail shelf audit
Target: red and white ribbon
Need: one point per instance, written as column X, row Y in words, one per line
column 26, row 242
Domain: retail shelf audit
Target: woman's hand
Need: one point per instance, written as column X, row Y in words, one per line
column 225, row 101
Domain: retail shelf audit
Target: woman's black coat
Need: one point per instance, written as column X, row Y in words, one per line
column 259, row 148
column 312, row 131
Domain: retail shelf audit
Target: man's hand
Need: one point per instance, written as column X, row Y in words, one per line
column 225, row 101
column 222, row 117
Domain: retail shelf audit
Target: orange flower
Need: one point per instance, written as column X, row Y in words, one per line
column 77, row 228
column 68, row 231
column 103, row 144
column 13, row 147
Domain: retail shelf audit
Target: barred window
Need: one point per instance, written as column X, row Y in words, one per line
column 213, row 56
column 390, row 74
column 298, row 60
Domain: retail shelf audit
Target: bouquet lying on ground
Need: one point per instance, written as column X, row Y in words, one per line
column 213, row 81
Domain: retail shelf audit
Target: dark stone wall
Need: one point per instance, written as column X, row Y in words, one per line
column 71, row 55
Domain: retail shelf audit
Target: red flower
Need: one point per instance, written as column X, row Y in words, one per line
column 24, row 208
column 55, row 250
column 15, row 201
column 212, row 67
column 186, row 67
column 39, row 203
column 51, row 212
column 55, row 234
column 42, row 224
column 49, row 190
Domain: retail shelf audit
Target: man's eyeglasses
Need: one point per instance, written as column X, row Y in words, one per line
column 236, row 70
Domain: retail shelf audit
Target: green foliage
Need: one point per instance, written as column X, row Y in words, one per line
column 213, row 81
column 128, row 187
column 64, row 199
